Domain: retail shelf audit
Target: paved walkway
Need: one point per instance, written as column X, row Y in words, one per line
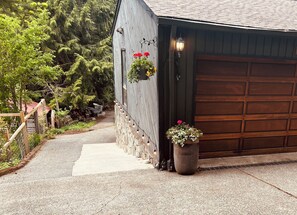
column 106, row 158
column 47, row 185
column 79, row 154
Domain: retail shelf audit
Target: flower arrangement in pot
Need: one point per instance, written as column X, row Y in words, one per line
column 141, row 68
column 186, row 150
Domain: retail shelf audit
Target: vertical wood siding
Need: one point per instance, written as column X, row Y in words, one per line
column 138, row 23
column 245, row 44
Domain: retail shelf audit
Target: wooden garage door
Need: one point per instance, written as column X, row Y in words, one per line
column 246, row 106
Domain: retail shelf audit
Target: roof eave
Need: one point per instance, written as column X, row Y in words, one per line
column 118, row 9
column 189, row 22
column 116, row 16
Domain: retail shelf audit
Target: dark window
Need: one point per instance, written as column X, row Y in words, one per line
column 124, row 77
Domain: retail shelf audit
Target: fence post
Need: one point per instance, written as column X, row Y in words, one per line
column 8, row 150
column 53, row 119
column 44, row 115
column 7, row 136
column 36, row 122
column 25, row 133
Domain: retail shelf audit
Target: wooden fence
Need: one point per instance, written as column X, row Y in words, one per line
column 33, row 122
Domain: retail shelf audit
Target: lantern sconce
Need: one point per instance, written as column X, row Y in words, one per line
column 180, row 46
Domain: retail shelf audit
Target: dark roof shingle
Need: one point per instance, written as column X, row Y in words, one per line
column 278, row 15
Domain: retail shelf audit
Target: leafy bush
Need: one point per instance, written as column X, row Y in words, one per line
column 11, row 157
column 62, row 117
column 34, row 140
column 3, row 127
column 4, row 165
column 62, row 113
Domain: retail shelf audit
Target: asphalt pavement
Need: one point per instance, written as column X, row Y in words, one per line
column 55, row 182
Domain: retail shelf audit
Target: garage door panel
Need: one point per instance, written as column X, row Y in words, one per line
column 270, row 89
column 295, row 92
column 260, row 143
column 219, row 108
column 294, row 107
column 220, row 127
column 220, row 88
column 219, row 145
column 266, row 125
column 293, row 124
column 246, row 107
column 221, row 68
column 268, row 107
column 272, row 70
column 292, row 141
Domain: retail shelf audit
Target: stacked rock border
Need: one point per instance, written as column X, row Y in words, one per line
column 131, row 138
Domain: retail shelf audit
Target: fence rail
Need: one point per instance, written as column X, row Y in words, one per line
column 9, row 114
column 17, row 145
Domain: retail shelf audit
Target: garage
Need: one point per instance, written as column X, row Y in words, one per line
column 245, row 105
column 232, row 75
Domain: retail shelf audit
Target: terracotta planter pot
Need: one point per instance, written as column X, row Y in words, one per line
column 142, row 74
column 186, row 158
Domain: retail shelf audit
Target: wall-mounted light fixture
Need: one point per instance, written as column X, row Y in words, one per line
column 179, row 48
column 180, row 45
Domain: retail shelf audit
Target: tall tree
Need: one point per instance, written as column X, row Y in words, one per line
column 23, row 62
column 81, row 40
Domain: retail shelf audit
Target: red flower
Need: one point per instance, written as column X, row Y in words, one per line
column 138, row 54
column 179, row 122
column 146, row 54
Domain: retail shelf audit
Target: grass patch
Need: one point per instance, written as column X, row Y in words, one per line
column 5, row 165
column 79, row 126
column 75, row 127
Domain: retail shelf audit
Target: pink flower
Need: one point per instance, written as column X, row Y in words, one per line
column 179, row 122
column 146, row 54
column 135, row 55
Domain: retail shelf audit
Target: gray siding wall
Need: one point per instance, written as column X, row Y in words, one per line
column 245, row 44
column 138, row 23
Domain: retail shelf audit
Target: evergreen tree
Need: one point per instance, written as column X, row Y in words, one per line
column 35, row 35
column 81, row 40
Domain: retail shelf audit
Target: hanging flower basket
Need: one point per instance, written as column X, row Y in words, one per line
column 142, row 74
column 141, row 68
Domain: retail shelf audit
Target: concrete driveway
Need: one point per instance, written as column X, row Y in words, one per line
column 47, row 185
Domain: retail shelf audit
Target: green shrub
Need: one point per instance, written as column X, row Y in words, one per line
column 56, row 131
column 3, row 126
column 14, row 162
column 34, row 140
column 12, row 158
column 62, row 113
column 50, row 134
